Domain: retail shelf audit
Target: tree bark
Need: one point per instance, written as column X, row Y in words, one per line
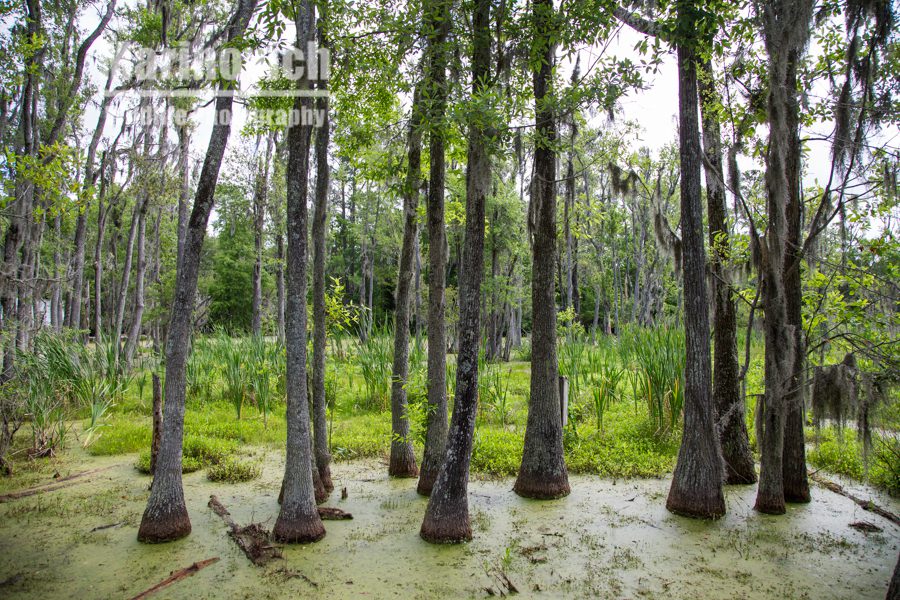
column 447, row 515
column 134, row 335
column 259, row 212
column 437, row 14
column 696, row 489
column 166, row 517
column 796, row 484
column 136, row 218
column 298, row 521
column 403, row 458
column 184, row 191
column 319, row 227
column 785, row 30
column 727, row 398
column 543, row 473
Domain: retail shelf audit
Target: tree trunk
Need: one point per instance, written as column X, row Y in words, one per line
column 184, row 191
column 697, row 482
column 403, row 459
column 279, row 283
column 98, row 258
column 298, row 520
column 447, row 515
column 785, row 28
column 136, row 218
column 134, row 335
column 73, row 315
column 259, row 211
column 543, row 473
column 727, row 398
column 319, row 226
column 437, row 14
column 21, row 210
column 166, row 517
column 796, row 485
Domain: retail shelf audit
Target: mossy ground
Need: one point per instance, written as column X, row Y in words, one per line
column 611, row 538
column 607, row 539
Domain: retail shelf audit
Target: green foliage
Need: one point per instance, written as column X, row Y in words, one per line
column 493, row 391
column 656, row 357
column 124, row 436
column 841, row 453
column 231, row 289
column 232, row 470
column 375, row 358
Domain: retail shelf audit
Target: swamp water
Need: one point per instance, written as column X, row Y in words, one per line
column 607, row 539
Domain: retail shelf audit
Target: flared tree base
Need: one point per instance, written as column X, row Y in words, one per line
column 542, row 488
column 403, row 462
column 298, row 530
column 325, row 476
column 734, row 477
column 706, row 507
column 796, row 492
column 740, row 469
column 773, row 505
column 158, row 527
column 321, row 493
column 448, row 531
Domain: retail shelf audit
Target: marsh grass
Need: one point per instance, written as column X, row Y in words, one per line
column 375, row 358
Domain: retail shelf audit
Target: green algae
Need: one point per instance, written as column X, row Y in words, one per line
column 607, row 539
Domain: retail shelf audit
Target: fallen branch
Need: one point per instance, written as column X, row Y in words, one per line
column 49, row 487
column 864, row 504
column 326, row 513
column 102, row 527
column 177, row 576
column 253, row 540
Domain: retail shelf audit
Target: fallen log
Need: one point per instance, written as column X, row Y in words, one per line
column 326, row 513
column 177, row 576
column 49, row 487
column 864, row 504
column 253, row 540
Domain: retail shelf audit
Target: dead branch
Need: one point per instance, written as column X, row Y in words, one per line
column 864, row 504
column 177, row 576
column 253, row 540
column 49, row 487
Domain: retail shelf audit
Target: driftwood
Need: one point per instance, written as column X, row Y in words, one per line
column 864, row 504
column 49, row 487
column 177, row 576
column 253, row 540
column 326, row 513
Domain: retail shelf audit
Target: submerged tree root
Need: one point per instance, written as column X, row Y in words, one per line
column 49, row 487
column 327, row 513
column 177, row 576
column 864, row 504
column 253, row 540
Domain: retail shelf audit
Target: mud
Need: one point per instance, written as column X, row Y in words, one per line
column 611, row 539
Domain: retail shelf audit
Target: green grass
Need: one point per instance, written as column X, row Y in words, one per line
column 841, row 453
column 622, row 437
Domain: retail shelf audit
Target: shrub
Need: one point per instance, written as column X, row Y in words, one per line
column 232, row 470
